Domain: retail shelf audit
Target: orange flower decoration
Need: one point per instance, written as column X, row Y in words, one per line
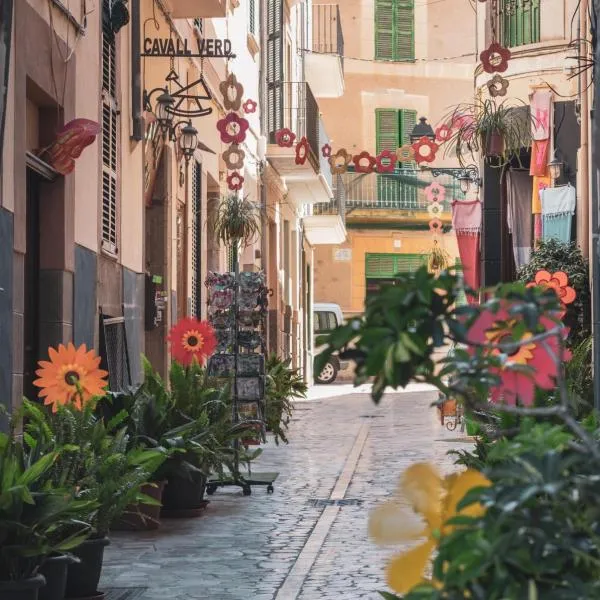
column 71, row 376
column 559, row 282
column 191, row 340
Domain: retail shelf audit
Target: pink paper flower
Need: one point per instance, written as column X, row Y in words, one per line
column 435, row 192
column 233, row 129
column 326, row 151
column 435, row 225
column 250, row 106
column 385, row 161
column 302, row 148
column 235, row 182
column 285, row 138
column 443, row 133
column 516, row 385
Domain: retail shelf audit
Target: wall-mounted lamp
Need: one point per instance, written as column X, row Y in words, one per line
column 465, row 176
column 555, row 167
column 422, row 129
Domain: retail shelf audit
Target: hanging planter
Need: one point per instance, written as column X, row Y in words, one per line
column 237, row 221
column 493, row 142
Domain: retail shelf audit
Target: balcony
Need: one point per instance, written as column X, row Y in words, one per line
column 325, row 64
column 191, row 9
column 292, row 106
column 400, row 196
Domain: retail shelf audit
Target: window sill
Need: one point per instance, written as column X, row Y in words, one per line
column 535, row 47
column 109, row 250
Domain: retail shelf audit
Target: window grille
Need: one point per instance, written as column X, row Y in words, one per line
column 116, row 353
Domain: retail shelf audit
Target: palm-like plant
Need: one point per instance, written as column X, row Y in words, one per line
column 237, row 222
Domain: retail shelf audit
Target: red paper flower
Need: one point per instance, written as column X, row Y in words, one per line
column 302, row 149
column 435, row 225
column 235, row 182
column 285, row 138
column 386, row 161
column 233, row 129
column 326, row 151
column 443, row 133
column 517, row 384
column 364, row 162
column 425, row 150
column 559, row 282
column 191, row 340
column 435, row 192
column 495, row 58
column 250, row 106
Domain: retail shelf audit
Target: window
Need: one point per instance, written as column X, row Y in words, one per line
column 395, row 30
column 519, row 22
column 252, row 16
column 274, row 74
column 325, row 321
column 109, row 135
column 384, row 266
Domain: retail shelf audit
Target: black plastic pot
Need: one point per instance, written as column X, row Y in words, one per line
column 24, row 589
column 83, row 577
column 183, row 497
column 142, row 517
column 54, row 569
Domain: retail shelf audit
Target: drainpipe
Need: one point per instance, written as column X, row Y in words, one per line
column 583, row 212
column 137, row 132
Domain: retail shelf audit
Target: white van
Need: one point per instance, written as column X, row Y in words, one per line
column 327, row 317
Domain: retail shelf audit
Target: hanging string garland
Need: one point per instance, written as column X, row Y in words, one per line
column 425, row 150
column 443, row 133
column 435, row 210
column 233, row 128
column 326, row 151
column 232, row 92
column 494, row 59
column 435, row 226
column 385, row 161
column 301, row 151
column 497, row 86
column 364, row 162
column 235, row 181
column 405, row 153
column 234, row 157
column 285, row 138
column 435, row 192
column 250, row 106
column 339, row 161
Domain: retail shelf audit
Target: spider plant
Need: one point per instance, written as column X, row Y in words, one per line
column 437, row 259
column 494, row 129
column 237, row 222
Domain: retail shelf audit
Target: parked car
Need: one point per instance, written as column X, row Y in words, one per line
column 326, row 317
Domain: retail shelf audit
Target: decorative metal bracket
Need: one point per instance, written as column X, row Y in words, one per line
column 470, row 172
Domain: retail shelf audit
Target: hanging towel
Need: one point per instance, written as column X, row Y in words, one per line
column 519, row 189
column 539, row 158
column 539, row 184
column 466, row 222
column 537, row 228
column 541, row 105
column 558, row 208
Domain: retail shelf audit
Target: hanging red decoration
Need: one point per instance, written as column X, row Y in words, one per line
column 232, row 92
column 495, row 58
column 425, row 150
column 191, row 340
column 386, row 161
column 443, row 133
column 233, row 129
column 326, row 151
column 435, row 225
column 339, row 161
column 364, row 162
column 234, row 157
column 302, row 149
column 285, row 138
column 250, row 106
column 235, row 181
column 70, row 143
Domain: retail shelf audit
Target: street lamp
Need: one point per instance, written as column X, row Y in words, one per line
column 465, row 176
column 555, row 167
column 188, row 139
column 422, row 129
column 164, row 112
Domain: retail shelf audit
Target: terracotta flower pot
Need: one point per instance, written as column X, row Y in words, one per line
column 24, row 589
column 142, row 517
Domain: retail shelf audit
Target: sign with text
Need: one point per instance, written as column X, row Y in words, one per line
column 169, row 47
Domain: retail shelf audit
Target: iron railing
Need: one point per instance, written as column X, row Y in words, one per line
column 404, row 189
column 327, row 34
column 295, row 108
column 337, row 205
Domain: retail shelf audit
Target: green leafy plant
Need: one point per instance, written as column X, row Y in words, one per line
column 237, row 222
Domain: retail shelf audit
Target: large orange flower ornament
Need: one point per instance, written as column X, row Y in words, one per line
column 191, row 340
column 559, row 282
column 71, row 376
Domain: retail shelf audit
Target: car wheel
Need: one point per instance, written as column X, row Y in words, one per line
column 329, row 373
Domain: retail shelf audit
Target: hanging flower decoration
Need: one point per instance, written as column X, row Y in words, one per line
column 425, row 150
column 232, row 92
column 233, row 129
column 191, row 340
column 302, row 149
column 497, row 86
column 364, row 162
column 234, row 157
column 385, row 161
column 285, row 138
column 559, row 282
column 326, row 151
column 250, row 107
column 71, row 376
column 235, row 182
column 405, row 153
column 515, row 382
column 435, row 226
column 495, row 58
column 435, row 210
column 443, row 133
column 434, row 500
column 435, row 192
column 339, row 161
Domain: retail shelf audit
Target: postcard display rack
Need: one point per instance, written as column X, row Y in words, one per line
column 237, row 309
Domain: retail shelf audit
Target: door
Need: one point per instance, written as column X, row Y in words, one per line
column 31, row 316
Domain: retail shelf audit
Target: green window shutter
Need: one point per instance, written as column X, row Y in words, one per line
column 408, row 120
column 384, row 29
column 274, row 70
column 520, row 20
column 404, row 42
column 387, row 124
column 386, row 266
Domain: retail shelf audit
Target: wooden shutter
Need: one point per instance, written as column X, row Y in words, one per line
column 387, row 124
column 196, row 240
column 384, row 29
column 110, row 135
column 274, row 67
column 382, row 266
column 520, row 20
column 404, row 31
column 408, row 120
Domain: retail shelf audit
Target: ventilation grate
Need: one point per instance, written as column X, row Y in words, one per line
column 323, row 502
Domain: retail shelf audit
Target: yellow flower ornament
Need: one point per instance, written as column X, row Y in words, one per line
column 434, row 500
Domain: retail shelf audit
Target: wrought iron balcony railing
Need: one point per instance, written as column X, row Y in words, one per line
column 337, row 205
column 327, row 34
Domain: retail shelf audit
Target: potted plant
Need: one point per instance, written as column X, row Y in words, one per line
column 237, row 222
column 494, row 129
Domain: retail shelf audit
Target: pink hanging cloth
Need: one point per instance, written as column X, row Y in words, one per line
column 466, row 222
column 541, row 104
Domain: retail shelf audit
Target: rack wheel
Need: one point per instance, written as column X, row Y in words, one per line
column 247, row 490
column 270, row 489
column 211, row 489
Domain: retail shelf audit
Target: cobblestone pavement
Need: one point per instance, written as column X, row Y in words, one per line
column 288, row 546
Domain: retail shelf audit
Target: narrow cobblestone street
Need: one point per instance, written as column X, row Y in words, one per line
column 297, row 543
